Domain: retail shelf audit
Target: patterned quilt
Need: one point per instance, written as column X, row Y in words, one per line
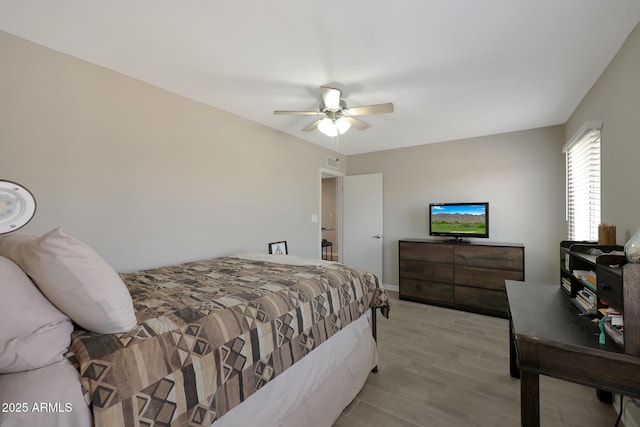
column 211, row 333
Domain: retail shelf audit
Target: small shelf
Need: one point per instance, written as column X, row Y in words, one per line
column 596, row 268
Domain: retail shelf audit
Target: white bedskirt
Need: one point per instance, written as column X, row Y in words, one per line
column 314, row 391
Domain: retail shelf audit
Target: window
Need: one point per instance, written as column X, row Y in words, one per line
column 583, row 182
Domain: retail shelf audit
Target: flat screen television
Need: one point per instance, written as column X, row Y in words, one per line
column 459, row 220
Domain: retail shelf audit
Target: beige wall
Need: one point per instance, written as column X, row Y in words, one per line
column 520, row 174
column 615, row 99
column 144, row 176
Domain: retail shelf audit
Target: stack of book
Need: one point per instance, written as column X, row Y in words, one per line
column 586, row 300
column 588, row 278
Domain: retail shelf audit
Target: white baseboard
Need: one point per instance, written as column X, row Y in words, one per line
column 388, row 287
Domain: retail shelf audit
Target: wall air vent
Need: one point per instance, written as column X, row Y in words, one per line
column 332, row 162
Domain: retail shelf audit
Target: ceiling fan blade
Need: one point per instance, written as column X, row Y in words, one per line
column 300, row 113
column 312, row 126
column 370, row 109
column 331, row 98
column 357, row 123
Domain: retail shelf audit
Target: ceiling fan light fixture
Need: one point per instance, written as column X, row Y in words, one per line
column 331, row 127
column 328, row 127
column 343, row 125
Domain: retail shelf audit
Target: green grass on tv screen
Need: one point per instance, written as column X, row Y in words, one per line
column 458, row 227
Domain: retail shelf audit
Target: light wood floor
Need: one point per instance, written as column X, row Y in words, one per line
column 448, row 368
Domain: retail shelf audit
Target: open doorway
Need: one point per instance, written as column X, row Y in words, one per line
column 331, row 215
column 328, row 222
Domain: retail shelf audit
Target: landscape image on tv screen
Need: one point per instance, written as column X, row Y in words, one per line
column 459, row 219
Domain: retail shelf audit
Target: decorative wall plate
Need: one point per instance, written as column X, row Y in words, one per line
column 17, row 206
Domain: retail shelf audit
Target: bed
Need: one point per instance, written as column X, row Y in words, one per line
column 247, row 339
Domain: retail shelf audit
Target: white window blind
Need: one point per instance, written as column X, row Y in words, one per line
column 583, row 182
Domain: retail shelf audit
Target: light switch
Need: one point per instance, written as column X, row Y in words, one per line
column 314, row 218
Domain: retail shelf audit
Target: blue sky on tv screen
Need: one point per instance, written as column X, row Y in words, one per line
column 460, row 209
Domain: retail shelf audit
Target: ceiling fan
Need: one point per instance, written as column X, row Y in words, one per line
column 336, row 118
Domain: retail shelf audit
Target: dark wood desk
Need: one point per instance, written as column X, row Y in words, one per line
column 549, row 337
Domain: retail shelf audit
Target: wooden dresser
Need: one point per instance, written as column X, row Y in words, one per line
column 465, row 276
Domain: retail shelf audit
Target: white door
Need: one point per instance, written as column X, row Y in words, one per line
column 362, row 222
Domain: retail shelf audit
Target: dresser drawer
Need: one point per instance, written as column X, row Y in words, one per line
column 426, row 291
column 484, row 299
column 610, row 287
column 426, row 271
column 503, row 257
column 426, row 252
column 485, row 278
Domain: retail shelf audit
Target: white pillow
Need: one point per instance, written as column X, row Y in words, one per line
column 75, row 279
column 33, row 333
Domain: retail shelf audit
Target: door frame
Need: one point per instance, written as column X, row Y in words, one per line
column 331, row 173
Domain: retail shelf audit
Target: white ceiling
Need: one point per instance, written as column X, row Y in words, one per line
column 453, row 68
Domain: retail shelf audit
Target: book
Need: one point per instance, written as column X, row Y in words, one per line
column 583, row 305
column 589, row 293
column 615, row 332
column 579, row 306
column 580, row 274
column 586, row 300
column 616, row 320
column 589, row 285
column 587, row 278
